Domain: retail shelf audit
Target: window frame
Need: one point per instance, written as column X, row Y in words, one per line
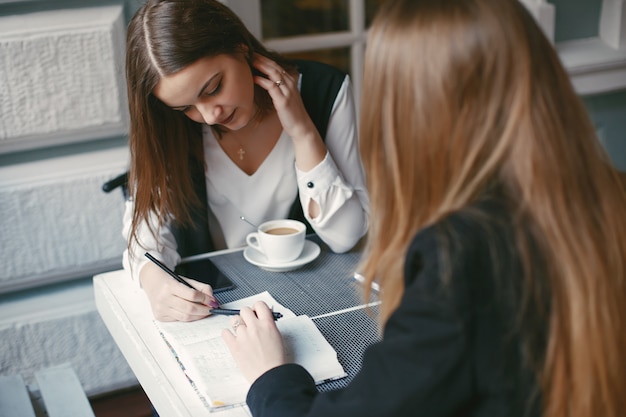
column 354, row 38
column 596, row 65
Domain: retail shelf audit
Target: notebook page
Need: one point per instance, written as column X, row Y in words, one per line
column 306, row 346
column 208, row 364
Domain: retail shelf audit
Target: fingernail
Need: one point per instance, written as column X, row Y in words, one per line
column 214, row 304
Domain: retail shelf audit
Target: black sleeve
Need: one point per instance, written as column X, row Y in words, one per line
column 294, row 399
column 420, row 368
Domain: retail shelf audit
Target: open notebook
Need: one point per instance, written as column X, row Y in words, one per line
column 206, row 361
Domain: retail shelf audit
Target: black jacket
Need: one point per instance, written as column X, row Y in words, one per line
column 450, row 349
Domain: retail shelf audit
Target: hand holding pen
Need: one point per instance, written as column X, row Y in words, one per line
column 215, row 306
column 171, row 301
column 229, row 312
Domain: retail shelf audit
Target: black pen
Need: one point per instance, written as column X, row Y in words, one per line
column 169, row 271
column 229, row 312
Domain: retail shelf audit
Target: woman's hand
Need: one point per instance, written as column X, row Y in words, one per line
column 172, row 301
column 283, row 89
column 255, row 342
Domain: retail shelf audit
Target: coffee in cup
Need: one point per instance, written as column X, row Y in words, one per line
column 280, row 241
column 281, row 231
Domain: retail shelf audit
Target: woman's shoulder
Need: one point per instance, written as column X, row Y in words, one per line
column 463, row 251
column 467, row 230
column 319, row 88
column 318, row 69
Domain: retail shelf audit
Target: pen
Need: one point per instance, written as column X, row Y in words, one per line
column 229, row 312
column 169, row 271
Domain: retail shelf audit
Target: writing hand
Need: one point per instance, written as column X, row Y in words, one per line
column 255, row 342
column 172, row 301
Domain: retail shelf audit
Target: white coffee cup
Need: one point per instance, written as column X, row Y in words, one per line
column 280, row 241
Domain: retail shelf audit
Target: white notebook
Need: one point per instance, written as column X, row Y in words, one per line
column 210, row 368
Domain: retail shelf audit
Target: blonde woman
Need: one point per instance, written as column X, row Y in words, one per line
column 498, row 232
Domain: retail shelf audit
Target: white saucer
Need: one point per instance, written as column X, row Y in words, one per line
column 310, row 251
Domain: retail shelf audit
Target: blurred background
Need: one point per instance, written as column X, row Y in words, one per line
column 63, row 126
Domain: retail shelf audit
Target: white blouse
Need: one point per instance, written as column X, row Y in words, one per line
column 337, row 185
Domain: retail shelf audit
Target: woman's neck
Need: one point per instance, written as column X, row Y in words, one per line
column 249, row 146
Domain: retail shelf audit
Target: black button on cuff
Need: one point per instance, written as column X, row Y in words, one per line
column 310, row 184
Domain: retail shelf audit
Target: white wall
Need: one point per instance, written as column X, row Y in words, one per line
column 61, row 85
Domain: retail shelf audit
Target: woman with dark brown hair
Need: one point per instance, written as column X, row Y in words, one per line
column 497, row 236
column 221, row 128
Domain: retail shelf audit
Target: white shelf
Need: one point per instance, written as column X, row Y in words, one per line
column 594, row 66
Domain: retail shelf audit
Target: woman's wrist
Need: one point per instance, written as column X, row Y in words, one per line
column 309, row 150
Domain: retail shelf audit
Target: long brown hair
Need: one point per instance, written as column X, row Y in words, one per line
column 163, row 37
column 464, row 94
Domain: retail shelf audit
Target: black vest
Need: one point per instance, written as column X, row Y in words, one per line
column 319, row 88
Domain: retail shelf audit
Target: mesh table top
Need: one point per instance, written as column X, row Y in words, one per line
column 319, row 289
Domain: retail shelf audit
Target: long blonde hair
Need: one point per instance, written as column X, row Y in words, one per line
column 464, row 94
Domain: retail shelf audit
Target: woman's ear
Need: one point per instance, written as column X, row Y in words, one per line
column 243, row 48
column 249, row 56
column 247, row 53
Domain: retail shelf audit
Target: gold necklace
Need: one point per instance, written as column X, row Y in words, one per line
column 233, row 137
column 256, row 120
column 241, row 152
